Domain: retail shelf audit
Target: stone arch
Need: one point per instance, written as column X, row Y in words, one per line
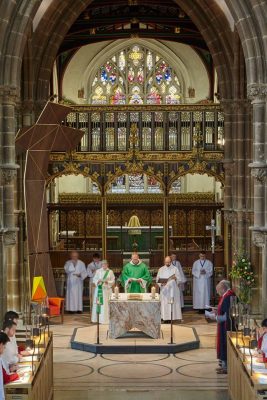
column 201, row 15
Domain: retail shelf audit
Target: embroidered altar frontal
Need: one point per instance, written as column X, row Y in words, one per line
column 142, row 314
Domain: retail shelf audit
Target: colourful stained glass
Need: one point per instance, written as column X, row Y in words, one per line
column 153, row 79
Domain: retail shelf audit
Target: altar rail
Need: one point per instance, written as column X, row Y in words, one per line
column 159, row 128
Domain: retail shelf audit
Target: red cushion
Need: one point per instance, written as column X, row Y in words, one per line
column 54, row 310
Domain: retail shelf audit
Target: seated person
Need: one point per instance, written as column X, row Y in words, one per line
column 6, row 376
column 103, row 279
column 135, row 276
column 13, row 316
column 262, row 342
column 10, row 356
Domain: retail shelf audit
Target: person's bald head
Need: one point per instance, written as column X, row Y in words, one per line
column 135, row 258
column 168, row 261
column 74, row 255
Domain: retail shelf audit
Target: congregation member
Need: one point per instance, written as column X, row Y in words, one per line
column 202, row 271
column 104, row 280
column 222, row 316
column 11, row 355
column 262, row 342
column 91, row 270
column 169, row 279
column 177, row 264
column 76, row 273
column 135, row 276
column 13, row 316
column 3, row 341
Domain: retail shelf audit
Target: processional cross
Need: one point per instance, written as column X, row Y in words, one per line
column 212, row 227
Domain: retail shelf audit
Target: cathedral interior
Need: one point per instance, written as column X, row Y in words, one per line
column 132, row 114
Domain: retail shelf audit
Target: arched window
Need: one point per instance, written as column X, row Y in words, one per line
column 135, row 75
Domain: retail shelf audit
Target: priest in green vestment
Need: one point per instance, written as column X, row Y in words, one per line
column 135, row 276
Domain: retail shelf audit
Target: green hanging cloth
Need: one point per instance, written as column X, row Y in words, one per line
column 100, row 299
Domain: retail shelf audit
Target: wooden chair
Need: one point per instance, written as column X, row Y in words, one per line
column 56, row 307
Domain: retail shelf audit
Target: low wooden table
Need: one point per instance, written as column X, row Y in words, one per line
column 126, row 314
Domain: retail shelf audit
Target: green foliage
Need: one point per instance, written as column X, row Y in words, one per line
column 242, row 271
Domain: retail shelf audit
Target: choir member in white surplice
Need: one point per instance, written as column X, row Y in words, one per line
column 169, row 290
column 76, row 273
column 103, row 279
column 202, row 271
column 177, row 264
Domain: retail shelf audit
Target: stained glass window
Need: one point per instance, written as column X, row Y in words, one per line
column 136, row 183
column 136, row 75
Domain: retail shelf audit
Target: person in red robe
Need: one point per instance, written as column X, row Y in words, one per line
column 262, row 342
column 222, row 316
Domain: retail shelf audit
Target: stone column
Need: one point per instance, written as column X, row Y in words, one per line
column 258, row 94
column 8, row 172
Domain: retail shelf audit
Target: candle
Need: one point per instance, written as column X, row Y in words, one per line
column 153, row 292
column 116, row 292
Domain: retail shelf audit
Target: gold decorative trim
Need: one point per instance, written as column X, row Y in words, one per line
column 146, row 107
column 142, row 156
column 125, row 198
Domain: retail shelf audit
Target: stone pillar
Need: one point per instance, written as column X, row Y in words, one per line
column 258, row 94
column 8, row 172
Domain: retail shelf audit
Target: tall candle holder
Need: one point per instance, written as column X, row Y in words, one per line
column 98, row 310
column 171, row 302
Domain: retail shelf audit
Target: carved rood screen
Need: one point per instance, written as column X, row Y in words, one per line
column 159, row 128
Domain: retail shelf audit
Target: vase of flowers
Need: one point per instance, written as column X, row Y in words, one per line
column 243, row 278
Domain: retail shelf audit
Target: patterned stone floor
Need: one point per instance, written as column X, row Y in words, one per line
column 183, row 376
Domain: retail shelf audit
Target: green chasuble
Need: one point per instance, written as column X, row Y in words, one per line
column 136, row 272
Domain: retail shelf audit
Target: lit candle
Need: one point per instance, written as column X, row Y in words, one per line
column 153, row 292
column 116, row 292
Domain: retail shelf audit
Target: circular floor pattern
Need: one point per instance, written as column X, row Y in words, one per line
column 201, row 355
column 134, row 371
column 70, row 371
column 71, row 356
column 194, row 371
column 140, row 358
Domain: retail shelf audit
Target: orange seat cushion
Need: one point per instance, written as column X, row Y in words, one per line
column 55, row 305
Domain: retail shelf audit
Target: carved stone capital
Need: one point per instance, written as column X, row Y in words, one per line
column 9, row 94
column 259, row 173
column 259, row 238
column 8, row 172
column 9, row 236
column 257, row 91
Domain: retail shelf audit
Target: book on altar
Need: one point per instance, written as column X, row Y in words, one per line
column 165, row 280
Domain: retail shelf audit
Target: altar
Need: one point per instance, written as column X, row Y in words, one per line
column 134, row 310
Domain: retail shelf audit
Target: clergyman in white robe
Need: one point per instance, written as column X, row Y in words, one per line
column 76, row 273
column 202, row 271
column 169, row 291
column 177, row 264
column 107, row 291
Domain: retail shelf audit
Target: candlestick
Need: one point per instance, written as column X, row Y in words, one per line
column 153, row 292
column 116, row 292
